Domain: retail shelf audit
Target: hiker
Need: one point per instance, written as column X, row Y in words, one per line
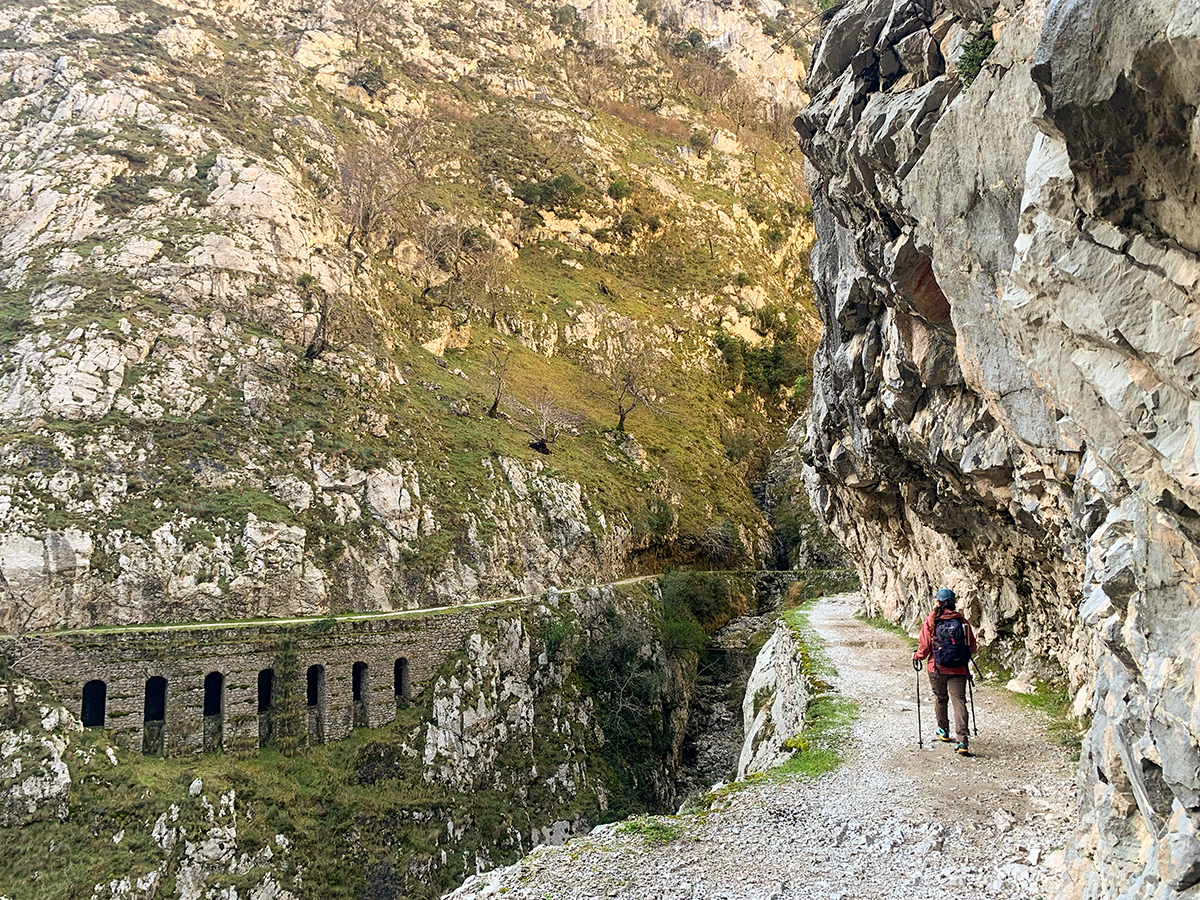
column 949, row 643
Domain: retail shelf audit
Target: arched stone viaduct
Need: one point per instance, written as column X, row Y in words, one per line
column 241, row 686
column 287, row 683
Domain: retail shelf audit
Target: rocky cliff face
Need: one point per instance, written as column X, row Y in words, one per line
column 264, row 275
column 1006, row 391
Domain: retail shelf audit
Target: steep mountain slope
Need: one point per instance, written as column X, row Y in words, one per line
column 310, row 309
column 1005, row 397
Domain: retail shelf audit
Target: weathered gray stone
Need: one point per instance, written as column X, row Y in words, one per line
column 1006, row 389
column 776, row 700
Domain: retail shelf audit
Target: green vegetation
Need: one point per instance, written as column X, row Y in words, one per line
column 364, row 784
column 705, row 599
column 369, row 76
column 818, row 749
column 632, row 707
column 977, row 49
column 829, row 718
column 1050, row 698
column 1054, row 703
column 654, row 831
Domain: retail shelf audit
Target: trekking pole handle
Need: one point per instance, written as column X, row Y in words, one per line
column 916, row 665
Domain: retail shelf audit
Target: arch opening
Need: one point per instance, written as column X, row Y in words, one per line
column 401, row 683
column 154, row 714
column 95, row 696
column 266, row 707
column 360, row 692
column 316, row 704
column 214, row 711
column 155, row 706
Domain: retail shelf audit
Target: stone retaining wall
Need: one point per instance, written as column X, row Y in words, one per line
column 126, row 660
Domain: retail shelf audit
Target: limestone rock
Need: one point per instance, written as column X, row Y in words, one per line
column 1005, row 389
column 35, row 783
column 777, row 696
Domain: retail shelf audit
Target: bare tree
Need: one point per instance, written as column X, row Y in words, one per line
column 374, row 189
column 362, row 16
column 462, row 267
column 221, row 81
column 742, row 105
column 589, row 74
column 549, row 421
column 708, row 80
column 500, row 355
column 415, row 145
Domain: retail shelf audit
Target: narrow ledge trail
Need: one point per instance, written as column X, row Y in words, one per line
column 892, row 823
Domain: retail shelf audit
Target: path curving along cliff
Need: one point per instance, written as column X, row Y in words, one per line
column 894, row 822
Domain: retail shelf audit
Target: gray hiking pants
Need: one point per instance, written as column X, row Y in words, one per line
column 948, row 688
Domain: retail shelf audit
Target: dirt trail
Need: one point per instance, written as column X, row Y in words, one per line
column 893, row 822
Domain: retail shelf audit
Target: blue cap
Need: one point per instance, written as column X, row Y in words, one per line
column 946, row 597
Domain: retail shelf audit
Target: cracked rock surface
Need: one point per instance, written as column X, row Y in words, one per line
column 1006, row 392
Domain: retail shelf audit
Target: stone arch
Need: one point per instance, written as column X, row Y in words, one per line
column 400, row 679
column 315, row 692
column 154, row 714
column 214, row 711
column 155, row 707
column 360, row 690
column 266, row 690
column 266, row 707
column 95, row 696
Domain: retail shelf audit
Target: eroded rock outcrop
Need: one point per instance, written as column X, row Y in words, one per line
column 1006, row 389
column 35, row 783
column 777, row 696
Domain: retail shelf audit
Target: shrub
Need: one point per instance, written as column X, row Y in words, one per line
column 620, row 189
column 700, row 141
column 758, row 209
column 123, row 195
column 505, row 147
column 704, row 597
column 369, row 76
column 560, row 194
column 974, row 52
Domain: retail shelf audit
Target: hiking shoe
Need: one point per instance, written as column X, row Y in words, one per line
column 962, row 749
column 941, row 735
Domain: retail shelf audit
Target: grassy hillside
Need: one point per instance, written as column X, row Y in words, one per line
column 252, row 254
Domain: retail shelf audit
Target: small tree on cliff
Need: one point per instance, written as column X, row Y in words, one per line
column 628, row 369
column 462, row 267
column 374, row 188
column 362, row 16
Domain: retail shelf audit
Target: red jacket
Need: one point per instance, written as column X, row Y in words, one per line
column 925, row 642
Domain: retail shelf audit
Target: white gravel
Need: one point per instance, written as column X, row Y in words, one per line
column 893, row 822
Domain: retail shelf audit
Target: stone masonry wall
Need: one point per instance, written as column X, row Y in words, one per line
column 184, row 656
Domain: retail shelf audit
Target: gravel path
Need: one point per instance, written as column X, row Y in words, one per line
column 892, row 823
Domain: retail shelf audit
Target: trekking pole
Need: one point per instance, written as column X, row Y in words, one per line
column 971, row 692
column 917, row 669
